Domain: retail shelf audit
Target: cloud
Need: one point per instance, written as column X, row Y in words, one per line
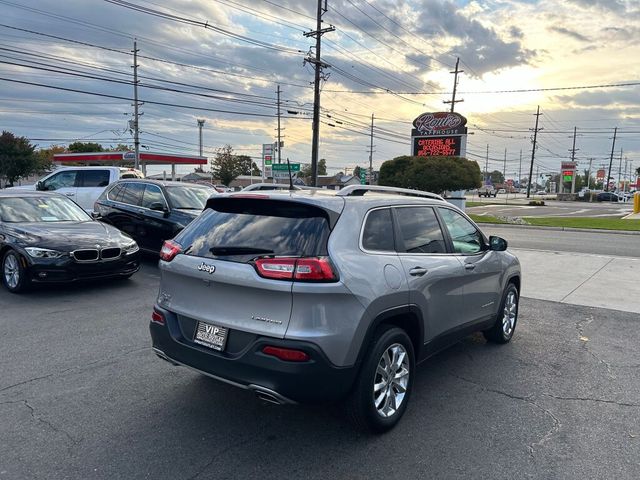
column 480, row 47
column 569, row 33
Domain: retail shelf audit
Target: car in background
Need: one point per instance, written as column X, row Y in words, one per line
column 502, row 190
column 607, row 197
column 487, row 191
column 81, row 184
column 47, row 238
column 223, row 188
column 541, row 192
column 151, row 211
column 269, row 186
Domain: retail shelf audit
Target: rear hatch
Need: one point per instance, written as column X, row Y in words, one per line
column 219, row 276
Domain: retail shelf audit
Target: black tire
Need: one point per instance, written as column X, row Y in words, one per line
column 500, row 333
column 12, row 262
column 361, row 405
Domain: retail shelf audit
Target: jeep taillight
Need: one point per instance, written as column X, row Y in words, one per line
column 306, row 269
column 169, row 250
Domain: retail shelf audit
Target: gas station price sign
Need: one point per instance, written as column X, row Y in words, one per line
column 447, row 146
column 567, row 175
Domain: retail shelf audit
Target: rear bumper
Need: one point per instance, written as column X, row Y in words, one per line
column 245, row 366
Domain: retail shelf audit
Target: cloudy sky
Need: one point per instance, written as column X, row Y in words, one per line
column 65, row 70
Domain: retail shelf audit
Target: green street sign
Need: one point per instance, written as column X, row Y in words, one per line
column 363, row 177
column 282, row 167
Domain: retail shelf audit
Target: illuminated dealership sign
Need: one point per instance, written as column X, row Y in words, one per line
column 439, row 134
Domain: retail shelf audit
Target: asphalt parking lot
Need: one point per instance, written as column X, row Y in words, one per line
column 82, row 396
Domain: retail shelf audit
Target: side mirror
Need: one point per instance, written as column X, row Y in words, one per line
column 159, row 207
column 40, row 186
column 497, row 244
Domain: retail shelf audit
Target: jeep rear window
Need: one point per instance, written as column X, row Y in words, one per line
column 239, row 230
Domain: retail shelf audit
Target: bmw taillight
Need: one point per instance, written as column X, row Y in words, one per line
column 306, row 269
column 169, row 250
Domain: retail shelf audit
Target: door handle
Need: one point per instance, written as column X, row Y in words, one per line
column 469, row 266
column 418, row 271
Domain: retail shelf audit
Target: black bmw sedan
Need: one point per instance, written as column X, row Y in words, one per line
column 151, row 211
column 45, row 237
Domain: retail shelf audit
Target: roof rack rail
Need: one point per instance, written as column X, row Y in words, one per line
column 359, row 190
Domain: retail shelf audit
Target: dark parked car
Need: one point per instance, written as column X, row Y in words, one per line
column 607, row 197
column 45, row 237
column 151, row 211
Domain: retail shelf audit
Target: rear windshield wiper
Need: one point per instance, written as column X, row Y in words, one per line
column 239, row 251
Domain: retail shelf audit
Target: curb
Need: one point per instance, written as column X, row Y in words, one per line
column 564, row 229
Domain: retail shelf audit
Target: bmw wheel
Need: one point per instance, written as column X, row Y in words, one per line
column 382, row 390
column 502, row 331
column 14, row 275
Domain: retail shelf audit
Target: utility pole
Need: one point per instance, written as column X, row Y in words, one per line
column 371, row 154
column 589, row 173
column 279, row 141
column 504, row 168
column 486, row 166
column 520, row 170
column 613, row 146
column 136, row 116
column 318, row 66
column 533, row 151
column 619, row 171
column 573, row 151
column 453, row 100
column 200, row 125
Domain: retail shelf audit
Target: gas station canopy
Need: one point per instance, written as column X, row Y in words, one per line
column 146, row 158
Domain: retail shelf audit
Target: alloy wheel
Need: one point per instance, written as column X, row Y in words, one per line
column 11, row 271
column 391, row 380
column 509, row 314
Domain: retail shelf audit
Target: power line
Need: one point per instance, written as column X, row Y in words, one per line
column 206, row 25
column 189, row 107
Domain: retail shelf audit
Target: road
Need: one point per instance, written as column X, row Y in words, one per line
column 623, row 245
column 554, row 209
column 82, row 396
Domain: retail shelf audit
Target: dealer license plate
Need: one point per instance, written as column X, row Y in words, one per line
column 211, row 336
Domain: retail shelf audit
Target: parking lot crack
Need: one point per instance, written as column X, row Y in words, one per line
column 555, row 426
column 24, row 382
column 44, row 421
column 580, row 327
column 596, row 400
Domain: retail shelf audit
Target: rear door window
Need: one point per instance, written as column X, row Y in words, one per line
column 152, row 194
column 94, row 178
column 377, row 234
column 420, row 230
column 240, row 230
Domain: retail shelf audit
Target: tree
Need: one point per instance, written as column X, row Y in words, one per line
column 17, row 158
column 85, row 147
column 433, row 174
column 226, row 166
column 496, row 177
column 245, row 161
column 44, row 158
column 305, row 171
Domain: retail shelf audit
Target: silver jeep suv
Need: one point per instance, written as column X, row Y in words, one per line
column 317, row 296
